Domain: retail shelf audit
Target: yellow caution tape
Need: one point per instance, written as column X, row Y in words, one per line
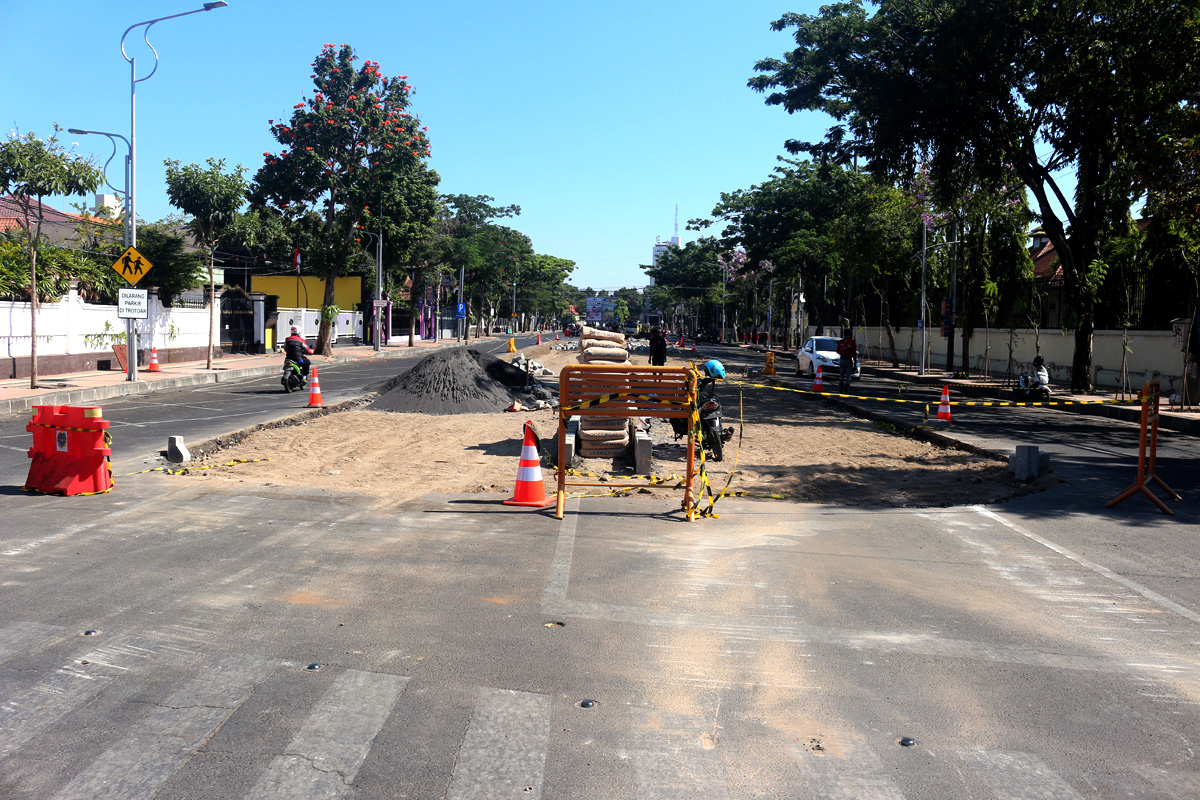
column 185, row 470
column 924, row 402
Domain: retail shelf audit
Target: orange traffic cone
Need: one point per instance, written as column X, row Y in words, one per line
column 556, row 336
column 314, row 392
column 530, row 490
column 944, row 407
column 693, row 346
column 539, row 337
column 681, row 341
column 818, row 384
column 153, row 367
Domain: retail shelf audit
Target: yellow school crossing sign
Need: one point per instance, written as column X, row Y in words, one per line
column 132, row 265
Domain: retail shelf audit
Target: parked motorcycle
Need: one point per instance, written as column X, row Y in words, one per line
column 713, row 436
column 293, row 377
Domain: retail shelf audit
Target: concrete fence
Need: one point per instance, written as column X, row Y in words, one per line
column 1150, row 355
column 75, row 336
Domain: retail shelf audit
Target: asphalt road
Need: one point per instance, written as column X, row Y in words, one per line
column 140, row 424
column 1041, row 648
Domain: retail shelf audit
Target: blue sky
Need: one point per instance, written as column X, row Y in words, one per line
column 596, row 118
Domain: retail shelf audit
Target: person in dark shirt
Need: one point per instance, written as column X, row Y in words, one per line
column 658, row 348
column 296, row 350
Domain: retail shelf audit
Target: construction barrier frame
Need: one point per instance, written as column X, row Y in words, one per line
column 1148, row 453
column 624, row 391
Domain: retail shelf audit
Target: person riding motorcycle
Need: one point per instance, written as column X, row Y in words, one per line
column 1039, row 378
column 295, row 349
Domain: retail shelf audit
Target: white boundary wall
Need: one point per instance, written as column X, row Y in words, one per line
column 64, row 326
column 1152, row 355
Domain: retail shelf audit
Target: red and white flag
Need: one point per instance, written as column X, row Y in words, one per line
column 296, row 260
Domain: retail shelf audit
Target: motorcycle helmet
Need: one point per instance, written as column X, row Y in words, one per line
column 714, row 369
column 295, row 330
column 1038, row 361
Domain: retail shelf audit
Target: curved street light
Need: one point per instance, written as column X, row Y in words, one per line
column 131, row 191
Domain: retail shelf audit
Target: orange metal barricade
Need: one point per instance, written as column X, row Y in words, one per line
column 596, row 390
column 1147, row 452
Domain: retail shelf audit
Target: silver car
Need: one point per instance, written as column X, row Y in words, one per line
column 822, row 350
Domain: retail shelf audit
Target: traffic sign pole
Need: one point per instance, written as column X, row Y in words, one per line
column 131, row 266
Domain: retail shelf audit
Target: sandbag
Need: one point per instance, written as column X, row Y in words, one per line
column 596, row 333
column 602, row 451
column 602, row 351
column 602, row 423
column 608, row 437
column 584, row 358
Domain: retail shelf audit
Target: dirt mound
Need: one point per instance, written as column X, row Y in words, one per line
column 454, row 381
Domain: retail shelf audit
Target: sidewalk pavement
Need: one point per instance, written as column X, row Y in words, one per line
column 1187, row 422
column 86, row 388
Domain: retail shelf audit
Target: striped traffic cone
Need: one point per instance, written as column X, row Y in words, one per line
column 153, row 367
column 818, row 384
column 556, row 336
column 314, row 392
column 944, row 406
column 530, row 490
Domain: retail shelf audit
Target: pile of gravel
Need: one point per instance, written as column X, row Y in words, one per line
column 454, row 381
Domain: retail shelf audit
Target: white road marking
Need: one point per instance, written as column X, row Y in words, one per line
column 675, row 756
column 855, row 773
column 20, row 635
column 560, row 565
column 503, row 753
column 1019, row 776
column 29, row 713
column 1133, row 586
column 137, row 766
column 324, row 756
column 103, row 521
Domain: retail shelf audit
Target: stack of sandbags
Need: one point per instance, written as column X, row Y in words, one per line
column 602, row 347
column 603, row 437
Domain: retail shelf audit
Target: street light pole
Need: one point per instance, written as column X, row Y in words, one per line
column 131, row 361
column 462, row 321
column 130, row 202
column 924, row 324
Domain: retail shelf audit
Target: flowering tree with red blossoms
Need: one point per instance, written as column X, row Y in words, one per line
column 352, row 154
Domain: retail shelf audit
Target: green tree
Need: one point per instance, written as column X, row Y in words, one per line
column 176, row 269
column 210, row 198
column 982, row 85
column 31, row 169
column 349, row 148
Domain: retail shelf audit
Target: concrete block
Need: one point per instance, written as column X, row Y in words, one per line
column 177, row 452
column 643, row 453
column 1028, row 462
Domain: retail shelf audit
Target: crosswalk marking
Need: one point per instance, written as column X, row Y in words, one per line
column 27, row 713
column 1019, row 776
column 138, row 765
column 20, row 635
column 675, row 756
column 851, row 771
column 324, row 756
column 504, row 751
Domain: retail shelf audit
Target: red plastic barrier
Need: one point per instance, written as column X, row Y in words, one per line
column 70, row 454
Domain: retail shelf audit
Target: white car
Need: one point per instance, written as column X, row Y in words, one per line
column 822, row 350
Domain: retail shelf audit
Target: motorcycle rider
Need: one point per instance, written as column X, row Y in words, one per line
column 1039, row 378
column 296, row 350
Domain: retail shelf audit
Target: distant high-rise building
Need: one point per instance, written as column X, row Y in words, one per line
column 660, row 248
